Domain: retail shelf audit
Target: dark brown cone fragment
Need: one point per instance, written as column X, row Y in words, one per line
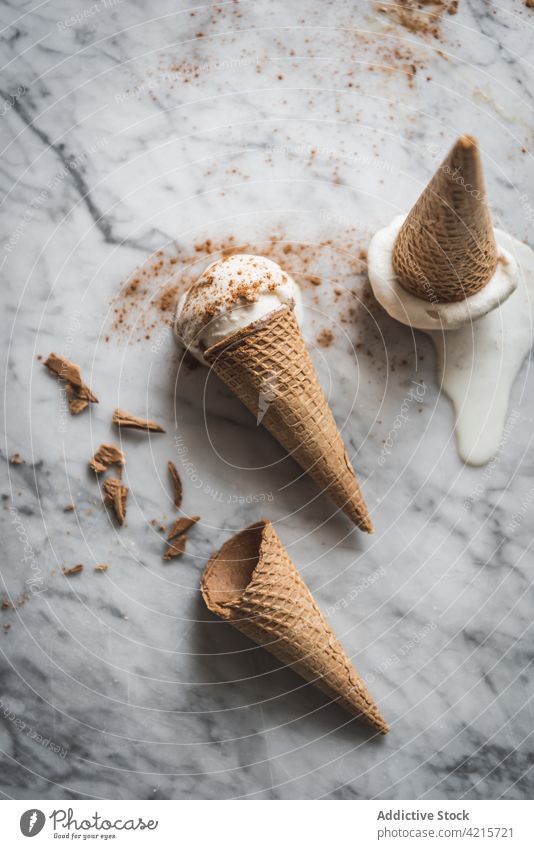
column 107, row 455
column 115, row 496
column 74, row 570
column 123, row 419
column 182, row 525
column 79, row 394
column 176, row 548
column 177, row 482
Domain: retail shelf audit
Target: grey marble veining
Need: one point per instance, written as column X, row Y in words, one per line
column 128, row 128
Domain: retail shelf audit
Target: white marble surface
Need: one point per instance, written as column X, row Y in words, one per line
column 302, row 120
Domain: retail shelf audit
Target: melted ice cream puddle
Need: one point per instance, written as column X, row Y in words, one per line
column 479, row 360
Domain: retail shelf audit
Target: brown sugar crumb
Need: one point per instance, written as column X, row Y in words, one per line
column 101, row 567
column 69, row 508
column 325, row 338
column 178, row 491
column 16, row 460
column 6, row 605
column 121, row 418
column 74, row 570
column 176, row 548
column 108, row 454
column 78, row 393
column 115, row 496
column 181, row 526
column 6, row 626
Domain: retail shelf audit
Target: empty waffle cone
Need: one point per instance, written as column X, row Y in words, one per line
column 268, row 367
column 445, row 250
column 252, row 583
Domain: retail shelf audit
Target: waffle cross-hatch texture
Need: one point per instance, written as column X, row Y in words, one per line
column 445, row 250
column 268, row 367
column 277, row 611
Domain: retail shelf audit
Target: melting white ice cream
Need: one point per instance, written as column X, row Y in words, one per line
column 480, row 358
column 228, row 296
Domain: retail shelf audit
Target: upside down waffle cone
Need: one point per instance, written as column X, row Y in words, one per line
column 268, row 367
column 445, row 250
column 252, row 583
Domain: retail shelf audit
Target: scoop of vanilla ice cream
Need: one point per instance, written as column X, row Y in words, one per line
column 229, row 295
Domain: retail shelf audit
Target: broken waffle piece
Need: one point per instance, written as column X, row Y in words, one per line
column 108, row 454
column 181, row 526
column 177, row 484
column 73, row 570
column 123, row 419
column 78, row 393
column 115, row 496
column 176, row 548
column 76, row 405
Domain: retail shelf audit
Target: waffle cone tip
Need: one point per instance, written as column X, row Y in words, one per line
column 445, row 250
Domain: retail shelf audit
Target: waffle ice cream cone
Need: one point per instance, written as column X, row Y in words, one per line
column 268, row 367
column 252, row 583
column 446, row 251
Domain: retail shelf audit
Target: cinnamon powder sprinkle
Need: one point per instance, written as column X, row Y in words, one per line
column 121, row 418
column 325, row 338
column 178, row 491
column 147, row 301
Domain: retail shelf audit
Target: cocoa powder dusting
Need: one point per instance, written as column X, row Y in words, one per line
column 147, row 300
